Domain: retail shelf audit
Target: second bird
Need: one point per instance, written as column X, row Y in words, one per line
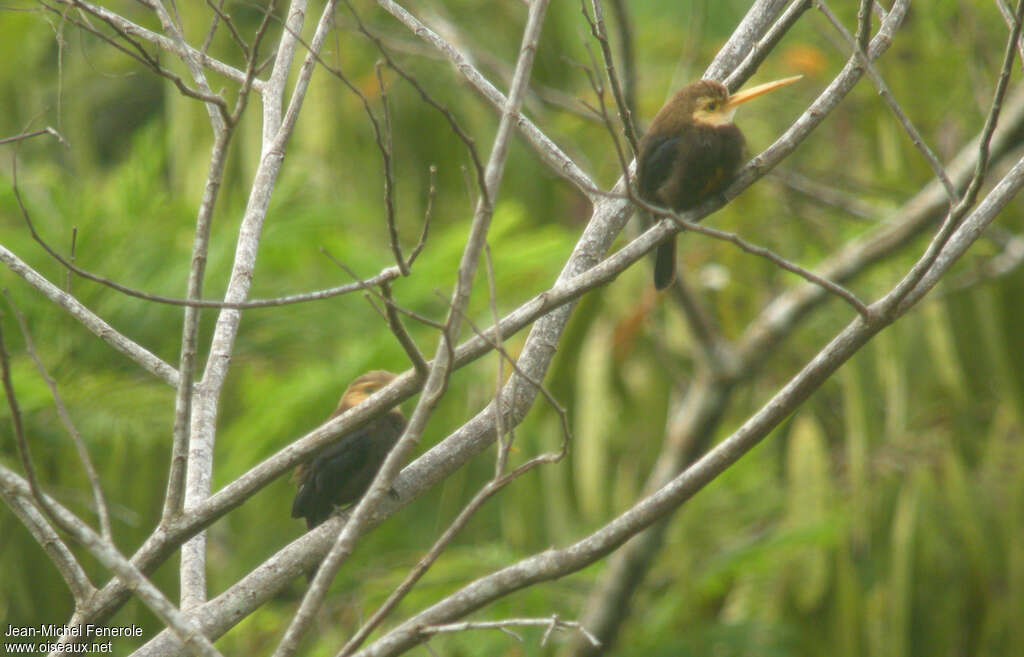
column 340, row 474
column 690, row 152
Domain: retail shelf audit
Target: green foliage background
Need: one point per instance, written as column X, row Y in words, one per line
column 885, row 519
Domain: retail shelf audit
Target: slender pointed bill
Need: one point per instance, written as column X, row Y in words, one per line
column 753, row 92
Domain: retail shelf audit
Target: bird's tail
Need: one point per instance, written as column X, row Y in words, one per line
column 665, row 264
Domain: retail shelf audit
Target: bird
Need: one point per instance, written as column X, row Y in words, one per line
column 690, row 152
column 340, row 474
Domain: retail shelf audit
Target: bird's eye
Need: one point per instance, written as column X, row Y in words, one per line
column 712, row 106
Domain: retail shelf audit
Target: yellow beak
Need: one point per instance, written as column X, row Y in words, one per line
column 743, row 96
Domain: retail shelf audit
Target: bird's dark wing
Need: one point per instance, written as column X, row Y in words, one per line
column 341, row 473
column 657, row 157
column 701, row 162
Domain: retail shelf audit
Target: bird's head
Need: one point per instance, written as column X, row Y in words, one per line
column 709, row 103
column 362, row 388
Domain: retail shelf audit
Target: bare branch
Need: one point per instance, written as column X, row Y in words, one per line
column 144, row 358
column 863, row 25
column 175, row 495
column 183, row 627
column 54, row 547
column 760, row 51
column 755, row 24
column 223, row 128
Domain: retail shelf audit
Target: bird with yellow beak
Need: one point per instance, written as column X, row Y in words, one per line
column 690, row 152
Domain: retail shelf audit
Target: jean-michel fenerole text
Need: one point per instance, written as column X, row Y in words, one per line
column 52, row 630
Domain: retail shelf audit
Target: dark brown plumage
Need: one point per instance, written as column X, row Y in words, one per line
column 341, row 473
column 690, row 152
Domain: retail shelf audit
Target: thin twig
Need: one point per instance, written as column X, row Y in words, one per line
column 428, row 214
column 71, row 259
column 505, row 438
column 921, row 268
column 419, row 363
column 890, row 100
column 460, row 521
column 218, row 16
column 62, row 412
column 828, row 195
column 863, row 37
column 29, row 135
column 1007, row 14
column 768, row 254
column 601, row 113
column 597, row 29
column 627, row 53
column 372, row 291
column 464, row 137
column 137, row 52
column 549, row 153
column 19, row 430
column 496, row 344
column 550, row 623
column 216, row 106
column 387, row 153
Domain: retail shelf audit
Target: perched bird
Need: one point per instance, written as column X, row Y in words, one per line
column 341, row 473
column 690, row 152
